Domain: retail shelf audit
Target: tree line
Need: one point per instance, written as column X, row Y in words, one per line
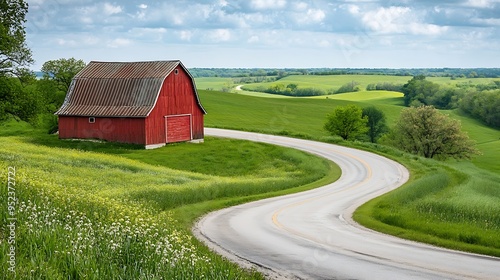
column 454, row 73
column 419, row 130
column 480, row 101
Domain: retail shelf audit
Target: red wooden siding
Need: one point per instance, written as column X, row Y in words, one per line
column 177, row 97
column 133, row 102
column 178, row 128
column 127, row 130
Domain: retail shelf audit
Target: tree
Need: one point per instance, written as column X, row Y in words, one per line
column 349, row 87
column 346, row 122
column 483, row 105
column 376, row 122
column 418, row 91
column 62, row 71
column 22, row 102
column 14, row 54
column 426, row 132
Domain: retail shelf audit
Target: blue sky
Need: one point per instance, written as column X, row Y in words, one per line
column 269, row 33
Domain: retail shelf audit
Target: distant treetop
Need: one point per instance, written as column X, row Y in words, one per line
column 282, row 72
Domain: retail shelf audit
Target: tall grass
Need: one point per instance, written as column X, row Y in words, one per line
column 93, row 215
column 452, row 204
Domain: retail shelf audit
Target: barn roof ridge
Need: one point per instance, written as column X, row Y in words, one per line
column 122, row 88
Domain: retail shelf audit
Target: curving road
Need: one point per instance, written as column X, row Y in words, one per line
column 311, row 235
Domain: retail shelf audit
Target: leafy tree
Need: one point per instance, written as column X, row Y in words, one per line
column 349, row 87
column 426, row 132
column 446, row 97
column 376, row 122
column 418, row 90
column 62, row 71
column 14, row 54
column 483, row 105
column 22, row 102
column 346, row 122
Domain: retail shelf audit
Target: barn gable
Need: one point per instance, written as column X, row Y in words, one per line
column 128, row 92
column 118, row 89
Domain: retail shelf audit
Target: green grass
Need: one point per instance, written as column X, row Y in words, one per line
column 212, row 83
column 112, row 211
column 329, row 82
column 452, row 204
column 449, row 81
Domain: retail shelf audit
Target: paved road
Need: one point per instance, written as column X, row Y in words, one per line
column 311, row 235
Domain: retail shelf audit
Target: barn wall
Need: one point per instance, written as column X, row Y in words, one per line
column 125, row 130
column 177, row 97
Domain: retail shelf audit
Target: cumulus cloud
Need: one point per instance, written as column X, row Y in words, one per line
column 185, row 35
column 119, row 42
column 316, row 15
column 220, row 35
column 399, row 20
column 261, row 24
column 110, row 9
column 480, row 3
column 267, row 4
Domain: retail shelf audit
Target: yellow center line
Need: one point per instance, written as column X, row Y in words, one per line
column 292, row 205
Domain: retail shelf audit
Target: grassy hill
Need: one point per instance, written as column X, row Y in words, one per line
column 455, row 204
column 333, row 82
column 102, row 210
column 95, row 210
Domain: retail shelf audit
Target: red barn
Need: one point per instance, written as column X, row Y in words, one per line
column 147, row 103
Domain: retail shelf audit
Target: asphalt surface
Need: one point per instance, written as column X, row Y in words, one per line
column 311, row 235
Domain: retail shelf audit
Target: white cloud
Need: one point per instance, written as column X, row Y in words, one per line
column 109, row 9
column 386, row 20
column 185, row 35
column 399, row 20
column 426, row 29
column 220, row 35
column 146, row 34
column 119, row 42
column 253, row 39
column 301, row 6
column 353, row 9
column 66, row 42
column 311, row 16
column 487, row 21
column 480, row 3
column 91, row 28
column 316, row 15
column 268, row 4
column 90, row 40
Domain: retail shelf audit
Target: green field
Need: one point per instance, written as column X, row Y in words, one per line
column 212, row 83
column 455, row 204
column 90, row 210
column 111, row 211
column 333, row 82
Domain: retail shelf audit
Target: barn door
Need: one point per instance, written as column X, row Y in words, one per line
column 178, row 128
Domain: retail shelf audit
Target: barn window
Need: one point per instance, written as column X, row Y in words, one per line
column 176, row 71
column 91, row 120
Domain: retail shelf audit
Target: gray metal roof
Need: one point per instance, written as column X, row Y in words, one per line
column 118, row 89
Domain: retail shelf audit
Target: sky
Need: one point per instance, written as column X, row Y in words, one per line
column 269, row 33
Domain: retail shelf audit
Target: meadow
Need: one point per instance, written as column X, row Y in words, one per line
column 455, row 204
column 97, row 210
column 328, row 82
column 91, row 210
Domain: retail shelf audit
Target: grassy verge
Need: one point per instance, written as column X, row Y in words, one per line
column 109, row 211
column 456, row 208
column 453, row 204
